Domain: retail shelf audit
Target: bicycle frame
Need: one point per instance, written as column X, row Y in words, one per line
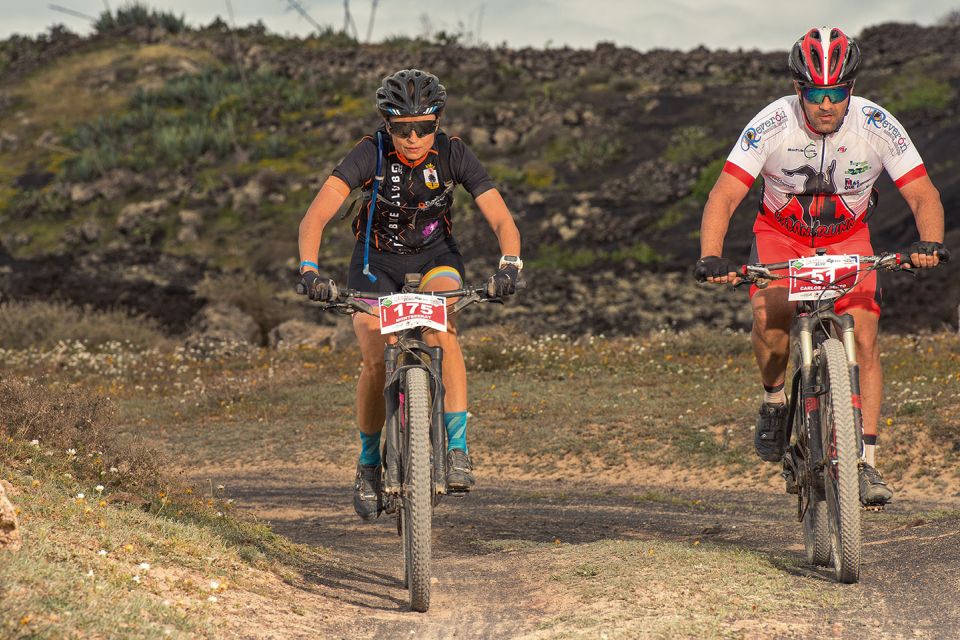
column 409, row 351
column 808, row 324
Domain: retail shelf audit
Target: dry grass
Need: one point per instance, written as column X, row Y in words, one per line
column 69, row 92
column 43, row 325
column 115, row 546
column 653, row 589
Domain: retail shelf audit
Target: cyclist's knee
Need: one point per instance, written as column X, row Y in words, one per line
column 770, row 325
column 442, row 339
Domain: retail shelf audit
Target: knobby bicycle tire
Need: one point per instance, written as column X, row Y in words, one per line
column 418, row 489
column 841, row 482
column 816, row 531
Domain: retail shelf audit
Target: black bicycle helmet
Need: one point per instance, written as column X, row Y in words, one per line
column 824, row 57
column 411, row 92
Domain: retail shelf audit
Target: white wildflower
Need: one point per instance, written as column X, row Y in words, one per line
column 212, row 599
column 214, row 585
column 136, row 579
column 102, row 552
column 80, row 496
column 145, row 566
column 98, row 488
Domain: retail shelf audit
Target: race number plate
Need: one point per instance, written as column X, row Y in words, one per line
column 405, row 310
column 815, row 277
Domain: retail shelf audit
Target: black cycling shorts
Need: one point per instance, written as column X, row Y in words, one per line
column 389, row 268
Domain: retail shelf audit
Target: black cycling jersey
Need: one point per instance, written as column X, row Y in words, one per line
column 413, row 205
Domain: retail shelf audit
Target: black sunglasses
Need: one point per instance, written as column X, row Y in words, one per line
column 404, row 130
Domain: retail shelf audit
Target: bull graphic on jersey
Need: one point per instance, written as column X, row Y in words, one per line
column 817, row 210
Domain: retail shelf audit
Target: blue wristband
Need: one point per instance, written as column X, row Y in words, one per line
column 307, row 263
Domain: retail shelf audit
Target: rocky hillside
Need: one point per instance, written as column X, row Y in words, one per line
column 160, row 168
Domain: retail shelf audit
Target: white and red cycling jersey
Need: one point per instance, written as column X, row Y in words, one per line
column 817, row 188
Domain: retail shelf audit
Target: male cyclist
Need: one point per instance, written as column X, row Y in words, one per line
column 819, row 152
column 408, row 170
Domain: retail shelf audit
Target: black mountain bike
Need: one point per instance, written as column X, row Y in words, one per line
column 415, row 438
column 825, row 426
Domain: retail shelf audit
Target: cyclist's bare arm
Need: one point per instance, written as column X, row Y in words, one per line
column 328, row 201
column 725, row 197
column 494, row 209
column 924, row 200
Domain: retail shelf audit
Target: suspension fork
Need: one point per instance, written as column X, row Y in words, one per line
column 438, row 428
column 810, row 389
column 391, row 396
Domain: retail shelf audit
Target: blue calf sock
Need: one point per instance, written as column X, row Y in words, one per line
column 456, row 422
column 370, row 448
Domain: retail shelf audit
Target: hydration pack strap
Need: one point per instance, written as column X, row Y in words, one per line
column 377, row 179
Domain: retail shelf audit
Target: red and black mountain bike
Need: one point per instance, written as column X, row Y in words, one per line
column 824, row 428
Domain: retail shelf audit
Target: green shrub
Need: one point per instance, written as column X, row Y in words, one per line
column 559, row 258
column 138, row 14
column 707, row 178
column 44, row 324
column 640, row 252
column 915, row 91
column 556, row 257
column 595, row 152
column 692, row 145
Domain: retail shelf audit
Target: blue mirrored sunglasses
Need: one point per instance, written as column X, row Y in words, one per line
column 816, row 95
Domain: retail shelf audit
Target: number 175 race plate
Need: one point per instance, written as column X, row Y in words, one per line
column 820, row 277
column 405, row 310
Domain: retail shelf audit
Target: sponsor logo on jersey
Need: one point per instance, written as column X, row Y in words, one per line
column 809, row 151
column 430, row 177
column 877, row 119
column 750, row 139
column 850, row 184
column 754, row 135
column 841, row 149
column 856, row 168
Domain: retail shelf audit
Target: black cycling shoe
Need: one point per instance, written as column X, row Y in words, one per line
column 366, row 491
column 459, row 471
column 874, row 492
column 771, row 431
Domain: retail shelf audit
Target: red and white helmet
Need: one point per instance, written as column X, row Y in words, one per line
column 824, row 57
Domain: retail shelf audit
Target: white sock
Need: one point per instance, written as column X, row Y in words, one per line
column 775, row 397
column 870, row 454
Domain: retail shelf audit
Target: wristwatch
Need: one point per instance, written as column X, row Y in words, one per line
column 511, row 260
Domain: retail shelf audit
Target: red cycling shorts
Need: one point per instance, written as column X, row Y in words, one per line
column 770, row 245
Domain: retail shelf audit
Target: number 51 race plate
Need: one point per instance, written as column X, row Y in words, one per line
column 815, row 277
column 405, row 310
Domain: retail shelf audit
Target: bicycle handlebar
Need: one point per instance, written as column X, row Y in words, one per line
column 349, row 300
column 890, row 261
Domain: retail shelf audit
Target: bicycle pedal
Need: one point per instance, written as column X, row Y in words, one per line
column 457, row 493
column 873, row 507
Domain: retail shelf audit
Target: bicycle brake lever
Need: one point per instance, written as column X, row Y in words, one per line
column 464, row 301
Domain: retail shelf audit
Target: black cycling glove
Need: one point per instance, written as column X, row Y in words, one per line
column 925, row 248
column 503, row 282
column 317, row 288
column 714, row 267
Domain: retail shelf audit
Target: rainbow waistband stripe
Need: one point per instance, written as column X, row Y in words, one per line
column 441, row 272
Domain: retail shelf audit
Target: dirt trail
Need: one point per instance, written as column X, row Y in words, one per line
column 490, row 583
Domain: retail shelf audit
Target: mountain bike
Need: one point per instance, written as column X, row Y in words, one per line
column 415, row 438
column 825, row 425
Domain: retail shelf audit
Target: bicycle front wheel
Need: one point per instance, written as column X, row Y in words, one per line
column 417, row 513
column 841, row 485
